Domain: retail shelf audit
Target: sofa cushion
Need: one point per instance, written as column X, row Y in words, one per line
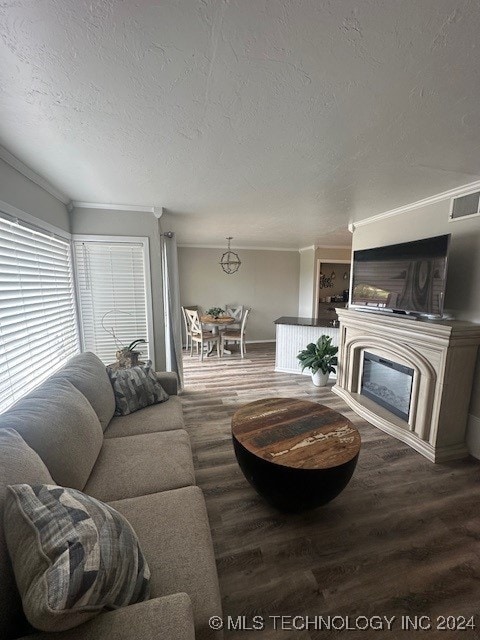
column 88, row 374
column 72, row 555
column 138, row 465
column 174, row 533
column 58, row 422
column 167, row 416
column 169, row 381
column 167, row 618
column 135, row 388
column 18, row 463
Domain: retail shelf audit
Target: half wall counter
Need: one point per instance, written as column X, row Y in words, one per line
column 293, row 335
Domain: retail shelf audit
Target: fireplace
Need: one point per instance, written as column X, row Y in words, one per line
column 387, row 383
column 417, row 375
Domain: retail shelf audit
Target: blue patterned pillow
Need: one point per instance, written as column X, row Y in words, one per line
column 73, row 556
column 136, row 388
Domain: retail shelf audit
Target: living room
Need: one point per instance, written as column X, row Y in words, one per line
column 141, row 136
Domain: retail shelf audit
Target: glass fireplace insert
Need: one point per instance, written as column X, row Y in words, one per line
column 387, row 383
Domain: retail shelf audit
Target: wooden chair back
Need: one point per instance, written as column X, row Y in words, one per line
column 236, row 311
column 186, row 322
column 193, row 320
column 244, row 322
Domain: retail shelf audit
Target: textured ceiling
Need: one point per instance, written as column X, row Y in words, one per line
column 274, row 121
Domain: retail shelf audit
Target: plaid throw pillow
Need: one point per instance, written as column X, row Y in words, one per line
column 136, row 388
column 73, row 556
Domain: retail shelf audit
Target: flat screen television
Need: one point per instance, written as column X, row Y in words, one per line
column 406, row 278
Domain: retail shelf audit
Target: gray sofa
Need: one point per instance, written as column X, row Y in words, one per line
column 142, row 465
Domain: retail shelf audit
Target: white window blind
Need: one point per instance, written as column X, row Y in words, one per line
column 112, row 296
column 38, row 328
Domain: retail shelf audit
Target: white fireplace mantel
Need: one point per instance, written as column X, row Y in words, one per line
column 441, row 353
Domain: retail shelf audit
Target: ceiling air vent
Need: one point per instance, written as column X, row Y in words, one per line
column 465, row 206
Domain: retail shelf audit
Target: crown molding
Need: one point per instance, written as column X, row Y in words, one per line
column 445, row 195
column 22, row 168
column 37, row 223
column 310, row 248
column 334, row 246
column 236, row 247
column 77, row 204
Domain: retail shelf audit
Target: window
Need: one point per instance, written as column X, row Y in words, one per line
column 113, row 297
column 38, row 328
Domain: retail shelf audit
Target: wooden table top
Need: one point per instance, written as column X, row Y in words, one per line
column 296, row 433
column 220, row 320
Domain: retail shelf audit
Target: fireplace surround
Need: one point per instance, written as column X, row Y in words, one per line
column 441, row 357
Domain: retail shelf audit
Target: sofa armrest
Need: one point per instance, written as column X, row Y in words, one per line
column 166, row 617
column 169, row 381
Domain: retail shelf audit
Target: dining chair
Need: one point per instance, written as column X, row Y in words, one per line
column 236, row 311
column 186, row 322
column 198, row 335
column 235, row 335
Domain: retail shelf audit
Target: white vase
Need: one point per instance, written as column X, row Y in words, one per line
column 320, row 379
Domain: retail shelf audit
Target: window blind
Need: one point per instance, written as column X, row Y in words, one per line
column 38, row 327
column 112, row 300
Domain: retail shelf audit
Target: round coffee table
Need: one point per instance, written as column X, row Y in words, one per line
column 296, row 454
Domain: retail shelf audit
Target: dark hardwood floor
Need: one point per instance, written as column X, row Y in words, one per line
column 402, row 539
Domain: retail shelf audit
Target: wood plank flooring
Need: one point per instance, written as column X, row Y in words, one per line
column 402, row 539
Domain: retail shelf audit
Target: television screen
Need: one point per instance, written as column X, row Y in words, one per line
column 407, row 277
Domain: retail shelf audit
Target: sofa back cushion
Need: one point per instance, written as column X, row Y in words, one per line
column 88, row 374
column 59, row 423
column 18, row 463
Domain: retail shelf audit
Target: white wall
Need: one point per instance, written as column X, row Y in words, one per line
column 325, row 254
column 306, row 287
column 20, row 192
column 462, row 297
column 131, row 223
column 267, row 282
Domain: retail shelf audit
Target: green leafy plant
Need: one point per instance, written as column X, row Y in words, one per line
column 320, row 355
column 215, row 312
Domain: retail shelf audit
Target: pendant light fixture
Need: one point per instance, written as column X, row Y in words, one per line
column 230, row 262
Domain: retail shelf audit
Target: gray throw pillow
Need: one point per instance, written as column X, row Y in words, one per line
column 136, row 388
column 73, row 556
column 18, row 463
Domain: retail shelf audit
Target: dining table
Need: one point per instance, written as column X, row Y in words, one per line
column 216, row 324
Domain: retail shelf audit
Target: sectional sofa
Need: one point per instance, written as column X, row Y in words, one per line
column 141, row 464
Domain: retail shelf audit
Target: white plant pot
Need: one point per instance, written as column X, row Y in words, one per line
column 320, row 379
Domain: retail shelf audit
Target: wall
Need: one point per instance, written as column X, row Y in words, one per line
column 126, row 223
column 306, row 285
column 323, row 255
column 462, row 297
column 267, row 282
column 20, row 192
column 339, row 283
column 342, row 254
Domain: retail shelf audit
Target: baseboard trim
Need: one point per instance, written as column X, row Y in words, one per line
column 258, row 341
column 473, row 436
column 288, row 370
column 333, row 376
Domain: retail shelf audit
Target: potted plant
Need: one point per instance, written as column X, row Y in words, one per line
column 320, row 358
column 214, row 312
column 127, row 356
